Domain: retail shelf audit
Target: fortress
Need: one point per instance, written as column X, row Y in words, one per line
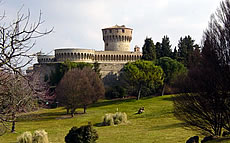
column 116, row 53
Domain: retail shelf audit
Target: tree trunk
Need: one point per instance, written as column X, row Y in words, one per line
column 13, row 122
column 163, row 90
column 85, row 107
column 67, row 111
column 139, row 92
column 72, row 112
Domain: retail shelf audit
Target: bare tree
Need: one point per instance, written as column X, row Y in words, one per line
column 16, row 39
column 206, row 105
column 18, row 91
column 79, row 88
column 96, row 86
column 16, row 96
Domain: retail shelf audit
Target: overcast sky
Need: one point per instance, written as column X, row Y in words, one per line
column 78, row 23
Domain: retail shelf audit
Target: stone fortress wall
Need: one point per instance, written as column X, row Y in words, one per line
column 90, row 56
column 116, row 53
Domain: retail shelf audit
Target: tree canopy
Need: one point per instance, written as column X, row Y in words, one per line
column 140, row 74
column 165, row 48
column 172, row 69
column 62, row 68
column 79, row 88
column 186, row 47
column 149, row 50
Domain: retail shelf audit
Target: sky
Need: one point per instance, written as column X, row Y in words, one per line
column 78, row 23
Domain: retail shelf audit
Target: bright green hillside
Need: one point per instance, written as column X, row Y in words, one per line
column 156, row 125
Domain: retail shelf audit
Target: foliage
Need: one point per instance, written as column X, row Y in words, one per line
column 149, row 50
column 79, row 88
column 205, row 106
column 70, row 65
column 115, row 92
column 163, row 49
column 186, row 48
column 56, row 76
column 96, row 68
column 158, row 50
column 114, row 119
column 26, row 137
column 172, row 69
column 140, row 73
column 175, row 54
column 40, row 136
column 84, row 134
column 62, row 68
column 166, row 47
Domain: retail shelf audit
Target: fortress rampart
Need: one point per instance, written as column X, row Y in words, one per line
column 116, row 53
column 90, row 56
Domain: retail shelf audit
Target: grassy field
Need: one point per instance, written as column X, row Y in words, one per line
column 156, row 125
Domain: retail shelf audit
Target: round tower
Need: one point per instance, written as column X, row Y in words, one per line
column 117, row 38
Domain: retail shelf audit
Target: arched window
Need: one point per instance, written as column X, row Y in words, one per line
column 81, row 57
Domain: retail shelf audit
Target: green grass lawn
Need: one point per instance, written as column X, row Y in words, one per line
column 156, row 125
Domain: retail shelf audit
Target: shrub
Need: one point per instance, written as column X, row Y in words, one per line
column 114, row 119
column 26, row 137
column 108, row 120
column 115, row 92
column 40, row 136
column 84, row 134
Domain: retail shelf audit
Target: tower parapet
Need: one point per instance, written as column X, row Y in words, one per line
column 117, row 38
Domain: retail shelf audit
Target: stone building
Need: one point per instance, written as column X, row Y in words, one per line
column 116, row 53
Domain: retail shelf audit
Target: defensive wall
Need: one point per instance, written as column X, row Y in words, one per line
column 116, row 53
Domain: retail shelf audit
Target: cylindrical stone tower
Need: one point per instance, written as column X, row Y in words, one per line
column 117, row 38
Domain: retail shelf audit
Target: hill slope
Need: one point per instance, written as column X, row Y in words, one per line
column 156, row 125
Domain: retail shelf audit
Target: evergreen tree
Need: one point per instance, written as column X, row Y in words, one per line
column 195, row 57
column 175, row 54
column 149, row 50
column 166, row 47
column 141, row 76
column 186, row 48
column 172, row 69
column 158, row 50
